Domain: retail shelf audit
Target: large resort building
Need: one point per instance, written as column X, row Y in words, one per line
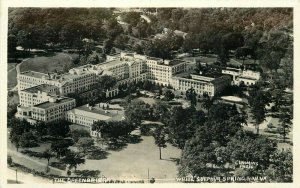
column 42, row 95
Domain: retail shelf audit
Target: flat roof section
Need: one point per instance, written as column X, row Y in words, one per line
column 42, row 87
column 154, row 58
column 98, row 113
column 112, row 63
column 49, row 104
column 34, row 74
column 175, row 62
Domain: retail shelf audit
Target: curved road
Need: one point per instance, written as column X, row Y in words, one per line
column 18, row 69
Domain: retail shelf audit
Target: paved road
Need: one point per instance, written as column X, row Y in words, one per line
column 18, row 69
column 25, row 177
column 29, row 162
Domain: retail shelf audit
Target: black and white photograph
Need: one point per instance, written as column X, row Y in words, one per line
column 149, row 95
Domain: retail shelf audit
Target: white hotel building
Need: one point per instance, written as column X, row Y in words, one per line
column 201, row 84
column 247, row 77
column 39, row 91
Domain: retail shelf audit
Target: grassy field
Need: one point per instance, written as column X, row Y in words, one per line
column 150, row 101
column 11, row 75
column 57, row 62
column 134, row 161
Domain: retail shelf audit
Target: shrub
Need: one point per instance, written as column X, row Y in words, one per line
column 88, row 173
column 58, row 165
column 145, row 130
column 27, row 139
column 9, row 160
column 32, row 153
column 270, row 126
column 76, row 134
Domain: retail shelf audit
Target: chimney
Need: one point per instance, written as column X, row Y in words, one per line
column 88, row 105
column 166, row 62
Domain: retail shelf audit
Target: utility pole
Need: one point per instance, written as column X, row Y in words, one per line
column 16, row 175
column 148, row 176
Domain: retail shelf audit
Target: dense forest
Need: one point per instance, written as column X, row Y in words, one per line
column 264, row 34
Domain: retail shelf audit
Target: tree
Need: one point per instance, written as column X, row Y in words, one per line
column 73, row 159
column 106, row 82
column 78, row 133
column 191, row 95
column 182, row 124
column 107, row 46
column 281, row 169
column 132, row 18
column 9, row 160
column 169, row 95
column 84, row 144
column 47, row 154
column 134, row 112
column 222, row 156
column 28, row 139
column 159, row 135
column 207, row 102
column 121, row 41
column 15, row 139
column 93, row 59
column 196, row 154
column 271, row 60
column 285, row 119
column 18, row 128
column 226, row 120
column 247, row 146
column 257, row 101
column 113, row 129
column 232, row 41
column 60, row 147
column 60, row 128
column 160, row 111
column 11, row 44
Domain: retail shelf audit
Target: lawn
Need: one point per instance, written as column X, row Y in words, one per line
column 11, row 75
column 275, row 136
column 134, row 161
column 150, row 101
column 57, row 62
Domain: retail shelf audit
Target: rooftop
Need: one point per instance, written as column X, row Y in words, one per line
column 154, row 58
column 111, row 63
column 98, row 113
column 247, row 77
column 34, row 74
column 43, row 87
column 175, row 62
column 49, row 104
column 221, row 79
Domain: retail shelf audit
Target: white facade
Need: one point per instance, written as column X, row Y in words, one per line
column 126, row 67
column 37, row 94
column 247, row 77
column 53, row 110
column 201, row 84
column 74, row 81
column 161, row 72
column 87, row 116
